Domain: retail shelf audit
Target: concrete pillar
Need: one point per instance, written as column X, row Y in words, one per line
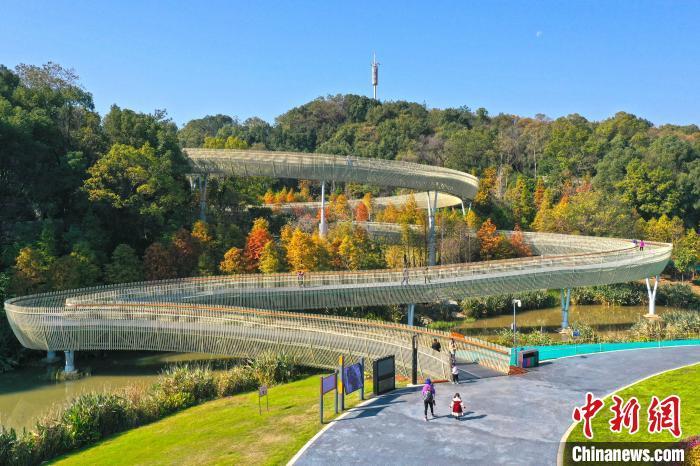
column 51, row 356
column 203, row 198
column 652, row 297
column 70, row 361
column 323, row 226
column 431, row 229
column 411, row 313
column 565, row 302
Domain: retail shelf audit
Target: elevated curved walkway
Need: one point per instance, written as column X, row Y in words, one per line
column 246, row 314
column 422, row 202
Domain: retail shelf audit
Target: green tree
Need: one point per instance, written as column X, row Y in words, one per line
column 651, row 191
column 271, row 259
column 141, row 184
column 194, row 132
column 125, row 266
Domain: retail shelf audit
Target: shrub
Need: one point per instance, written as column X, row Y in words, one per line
column 621, row 294
column 93, row 416
column 673, row 325
column 501, row 304
column 536, row 338
column 235, row 380
column 681, row 296
column 443, row 325
column 270, row 368
column 182, row 386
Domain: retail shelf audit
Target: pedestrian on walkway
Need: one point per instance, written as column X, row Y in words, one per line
column 425, row 275
column 635, row 243
column 455, row 374
column 453, row 347
column 428, row 394
column 436, row 345
column 641, row 245
column 300, row 278
column 404, row 280
column 457, row 406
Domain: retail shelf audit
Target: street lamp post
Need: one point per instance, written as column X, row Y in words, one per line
column 519, row 304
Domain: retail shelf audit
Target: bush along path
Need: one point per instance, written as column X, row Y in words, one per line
column 91, row 417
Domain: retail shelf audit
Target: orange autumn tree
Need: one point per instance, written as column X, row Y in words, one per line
column 489, row 240
column 361, row 212
column 185, row 251
column 258, row 237
column 517, row 241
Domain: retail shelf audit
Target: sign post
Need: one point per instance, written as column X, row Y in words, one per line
column 341, row 390
column 328, row 384
column 262, row 391
column 362, row 371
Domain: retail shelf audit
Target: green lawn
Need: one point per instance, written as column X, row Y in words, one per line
column 225, row 431
column 683, row 382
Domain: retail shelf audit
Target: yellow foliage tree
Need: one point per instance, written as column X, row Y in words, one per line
column 200, row 232
column 233, row 262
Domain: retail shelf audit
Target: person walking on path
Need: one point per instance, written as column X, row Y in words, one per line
column 300, row 278
column 635, row 243
column 457, row 406
column 436, row 345
column 428, row 394
column 455, row 374
column 641, row 245
column 453, row 347
column 404, row 280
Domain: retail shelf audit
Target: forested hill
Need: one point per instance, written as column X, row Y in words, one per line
column 75, row 184
column 644, row 168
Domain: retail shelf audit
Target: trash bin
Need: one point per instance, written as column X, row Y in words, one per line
column 528, row 358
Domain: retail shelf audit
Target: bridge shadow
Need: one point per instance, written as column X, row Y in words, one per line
column 377, row 405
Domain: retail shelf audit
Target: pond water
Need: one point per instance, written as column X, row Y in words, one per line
column 604, row 319
column 29, row 393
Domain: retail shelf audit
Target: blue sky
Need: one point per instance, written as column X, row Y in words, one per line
column 260, row 59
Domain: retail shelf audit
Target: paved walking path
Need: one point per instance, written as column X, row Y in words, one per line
column 510, row 420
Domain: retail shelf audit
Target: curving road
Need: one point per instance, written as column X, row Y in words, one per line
column 510, row 420
column 242, row 315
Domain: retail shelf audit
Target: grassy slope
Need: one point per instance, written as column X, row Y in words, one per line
column 225, row 431
column 683, row 382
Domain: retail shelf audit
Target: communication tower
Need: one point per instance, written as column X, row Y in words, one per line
column 375, row 74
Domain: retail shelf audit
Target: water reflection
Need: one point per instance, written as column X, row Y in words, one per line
column 28, row 393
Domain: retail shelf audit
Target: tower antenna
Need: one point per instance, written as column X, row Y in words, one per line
column 375, row 73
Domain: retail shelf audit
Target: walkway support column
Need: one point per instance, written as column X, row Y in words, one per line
column 411, row 313
column 323, row 226
column 565, row 302
column 70, row 361
column 652, row 297
column 51, row 356
column 203, row 198
column 431, row 228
